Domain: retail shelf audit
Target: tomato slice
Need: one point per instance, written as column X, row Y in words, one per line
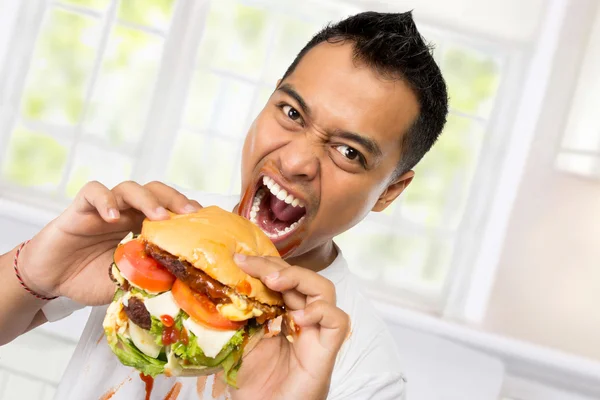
column 201, row 309
column 141, row 269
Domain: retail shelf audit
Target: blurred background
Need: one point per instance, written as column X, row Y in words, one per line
column 487, row 268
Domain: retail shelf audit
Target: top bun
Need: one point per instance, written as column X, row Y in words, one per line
column 208, row 239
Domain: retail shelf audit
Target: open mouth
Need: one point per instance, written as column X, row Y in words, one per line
column 275, row 211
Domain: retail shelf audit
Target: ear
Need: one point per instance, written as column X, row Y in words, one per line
column 393, row 190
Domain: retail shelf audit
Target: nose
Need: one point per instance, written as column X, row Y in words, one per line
column 299, row 159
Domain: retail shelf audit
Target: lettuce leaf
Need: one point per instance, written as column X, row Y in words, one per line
column 129, row 355
column 231, row 365
column 195, row 356
column 141, row 292
column 156, row 329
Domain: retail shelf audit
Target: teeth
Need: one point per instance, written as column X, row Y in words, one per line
column 290, row 228
column 280, row 193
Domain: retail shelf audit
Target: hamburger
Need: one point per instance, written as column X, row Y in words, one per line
column 182, row 306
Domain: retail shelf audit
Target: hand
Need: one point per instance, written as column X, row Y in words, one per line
column 71, row 255
column 278, row 369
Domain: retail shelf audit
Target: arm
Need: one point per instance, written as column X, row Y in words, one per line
column 69, row 257
column 19, row 310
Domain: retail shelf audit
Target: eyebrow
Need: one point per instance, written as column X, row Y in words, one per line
column 369, row 144
column 290, row 91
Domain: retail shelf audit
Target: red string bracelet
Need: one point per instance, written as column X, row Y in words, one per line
column 39, row 296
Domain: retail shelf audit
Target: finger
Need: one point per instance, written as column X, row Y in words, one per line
column 94, row 196
column 130, row 194
column 336, row 323
column 289, row 278
column 259, row 267
column 304, row 281
column 266, row 266
column 172, row 199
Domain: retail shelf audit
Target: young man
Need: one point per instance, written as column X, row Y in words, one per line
column 356, row 110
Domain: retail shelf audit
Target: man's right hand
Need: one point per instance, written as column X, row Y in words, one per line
column 72, row 254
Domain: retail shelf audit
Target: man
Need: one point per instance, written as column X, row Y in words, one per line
column 357, row 109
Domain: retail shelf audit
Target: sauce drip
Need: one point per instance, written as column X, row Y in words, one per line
column 184, row 338
column 244, row 288
column 170, row 335
column 149, row 382
column 167, row 320
column 174, row 392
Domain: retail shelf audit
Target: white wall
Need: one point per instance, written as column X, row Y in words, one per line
column 511, row 20
column 547, row 288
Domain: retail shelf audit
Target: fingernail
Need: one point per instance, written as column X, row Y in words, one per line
column 113, row 213
column 189, row 208
column 298, row 314
column 239, row 258
column 161, row 211
column 272, row 276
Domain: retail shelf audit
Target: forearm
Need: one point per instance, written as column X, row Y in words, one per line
column 19, row 310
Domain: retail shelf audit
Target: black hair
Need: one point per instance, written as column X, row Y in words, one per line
column 391, row 44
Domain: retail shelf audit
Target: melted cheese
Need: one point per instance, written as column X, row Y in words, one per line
column 211, row 341
column 233, row 313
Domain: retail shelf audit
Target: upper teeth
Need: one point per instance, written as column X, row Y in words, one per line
column 281, row 193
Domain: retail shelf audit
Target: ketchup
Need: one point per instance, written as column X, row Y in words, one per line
column 170, row 335
column 244, row 288
column 183, row 337
column 167, row 320
column 174, row 392
column 149, row 381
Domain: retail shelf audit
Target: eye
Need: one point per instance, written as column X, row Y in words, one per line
column 291, row 112
column 349, row 152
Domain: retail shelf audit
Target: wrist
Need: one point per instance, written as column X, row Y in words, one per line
column 28, row 281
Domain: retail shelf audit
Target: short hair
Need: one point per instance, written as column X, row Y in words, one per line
column 391, row 44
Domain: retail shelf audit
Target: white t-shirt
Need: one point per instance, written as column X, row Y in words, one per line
column 367, row 366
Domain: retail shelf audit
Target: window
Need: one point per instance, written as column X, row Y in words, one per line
column 114, row 90
column 579, row 152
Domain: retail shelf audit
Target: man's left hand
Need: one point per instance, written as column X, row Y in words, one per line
column 301, row 369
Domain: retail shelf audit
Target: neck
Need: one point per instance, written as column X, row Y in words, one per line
column 316, row 259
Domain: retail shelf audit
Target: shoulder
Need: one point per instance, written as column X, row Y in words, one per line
column 368, row 365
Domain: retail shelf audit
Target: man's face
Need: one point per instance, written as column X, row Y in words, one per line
column 330, row 136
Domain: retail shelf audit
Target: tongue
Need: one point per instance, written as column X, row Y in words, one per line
column 285, row 212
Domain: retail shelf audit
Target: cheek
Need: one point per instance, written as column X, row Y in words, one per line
column 346, row 200
column 264, row 136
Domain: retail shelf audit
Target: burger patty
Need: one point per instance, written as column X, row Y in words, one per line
column 137, row 313
column 201, row 282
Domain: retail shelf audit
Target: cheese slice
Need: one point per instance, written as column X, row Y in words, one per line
column 163, row 304
column 211, row 341
column 144, row 341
